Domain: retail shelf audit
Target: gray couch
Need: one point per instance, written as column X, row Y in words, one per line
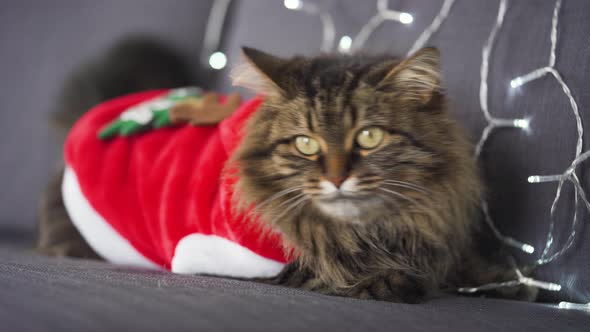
column 42, row 41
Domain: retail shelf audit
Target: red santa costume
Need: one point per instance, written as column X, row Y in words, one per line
column 159, row 199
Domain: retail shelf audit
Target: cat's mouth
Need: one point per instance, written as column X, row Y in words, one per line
column 345, row 202
column 340, row 196
column 345, row 206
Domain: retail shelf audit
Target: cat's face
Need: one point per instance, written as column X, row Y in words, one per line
column 348, row 138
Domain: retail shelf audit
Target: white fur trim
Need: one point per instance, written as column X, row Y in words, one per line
column 99, row 234
column 211, row 254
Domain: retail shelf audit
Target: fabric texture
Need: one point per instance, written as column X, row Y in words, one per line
column 161, row 188
column 47, row 294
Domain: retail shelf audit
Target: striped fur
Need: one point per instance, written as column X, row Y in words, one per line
column 415, row 206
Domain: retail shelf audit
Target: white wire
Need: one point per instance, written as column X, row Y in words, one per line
column 433, row 27
column 383, row 14
column 213, row 29
column 521, row 279
column 361, row 38
column 494, row 123
column 485, row 60
column 328, row 32
column 554, row 21
column 328, row 28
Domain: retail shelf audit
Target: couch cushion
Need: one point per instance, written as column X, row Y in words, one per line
column 46, row 294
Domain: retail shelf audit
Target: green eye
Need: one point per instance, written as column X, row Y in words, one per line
column 307, row 145
column 370, row 138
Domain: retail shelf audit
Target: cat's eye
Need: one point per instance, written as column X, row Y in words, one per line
column 370, row 138
column 307, row 145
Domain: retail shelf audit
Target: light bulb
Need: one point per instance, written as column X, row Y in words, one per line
column 515, row 83
column 344, row 44
column 292, row 4
column 522, row 123
column 406, row 18
column 217, row 60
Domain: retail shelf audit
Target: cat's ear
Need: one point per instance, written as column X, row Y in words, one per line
column 417, row 77
column 260, row 72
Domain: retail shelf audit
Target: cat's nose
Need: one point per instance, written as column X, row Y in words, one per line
column 336, row 180
column 335, row 165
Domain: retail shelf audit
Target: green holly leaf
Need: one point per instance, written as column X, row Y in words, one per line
column 129, row 128
column 111, row 130
column 161, row 119
column 150, row 114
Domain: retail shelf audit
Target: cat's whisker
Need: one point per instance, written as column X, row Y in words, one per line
column 390, row 199
column 367, row 183
column 365, row 188
column 276, row 177
column 290, row 200
column 369, row 179
column 400, row 195
column 407, row 185
column 290, row 207
column 405, row 182
column 279, row 195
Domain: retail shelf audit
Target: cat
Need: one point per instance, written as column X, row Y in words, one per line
column 357, row 162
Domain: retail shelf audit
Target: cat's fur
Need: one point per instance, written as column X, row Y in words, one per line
column 406, row 228
column 395, row 241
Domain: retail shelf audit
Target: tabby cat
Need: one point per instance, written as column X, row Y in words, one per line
column 358, row 162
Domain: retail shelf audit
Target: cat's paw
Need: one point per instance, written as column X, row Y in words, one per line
column 519, row 293
column 393, row 287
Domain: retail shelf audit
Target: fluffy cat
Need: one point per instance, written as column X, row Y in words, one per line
column 357, row 161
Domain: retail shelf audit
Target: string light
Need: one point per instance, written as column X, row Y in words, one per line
column 348, row 44
column 433, row 27
column 494, row 123
column 292, row 4
column 406, row 18
column 217, row 60
column 210, row 54
column 569, row 174
column 328, row 29
column 383, row 14
column 575, row 306
column 344, row 44
column 520, row 280
column 579, row 194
